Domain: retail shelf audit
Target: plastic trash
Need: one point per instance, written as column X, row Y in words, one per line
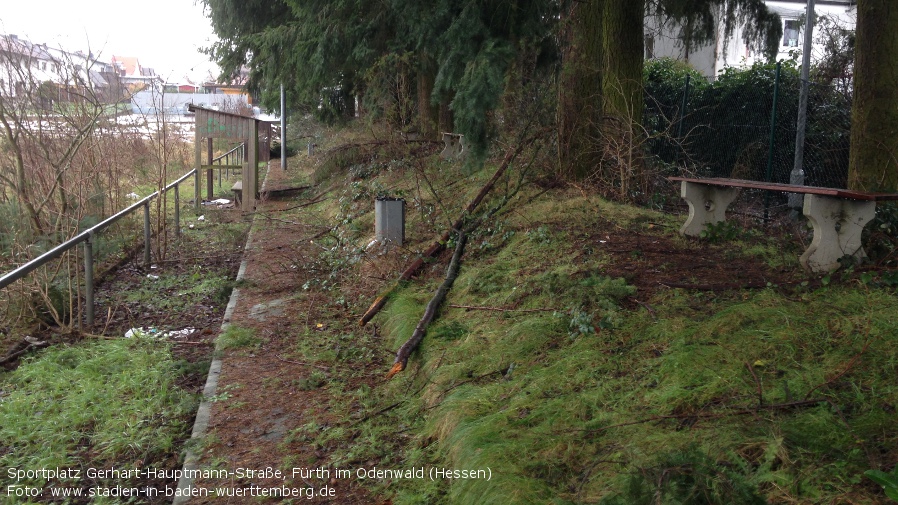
column 218, row 201
column 186, row 332
column 153, row 277
column 201, row 218
column 142, row 332
column 154, row 332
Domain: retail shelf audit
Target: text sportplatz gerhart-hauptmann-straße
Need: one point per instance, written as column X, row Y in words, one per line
column 111, row 482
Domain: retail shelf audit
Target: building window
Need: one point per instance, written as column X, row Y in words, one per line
column 790, row 33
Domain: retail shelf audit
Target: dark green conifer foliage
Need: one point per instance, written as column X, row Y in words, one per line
column 321, row 50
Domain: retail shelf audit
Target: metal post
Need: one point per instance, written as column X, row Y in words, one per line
column 89, row 281
column 769, row 176
column 797, row 176
column 177, row 211
column 146, row 234
column 283, row 128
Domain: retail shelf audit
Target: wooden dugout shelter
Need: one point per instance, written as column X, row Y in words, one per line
column 212, row 124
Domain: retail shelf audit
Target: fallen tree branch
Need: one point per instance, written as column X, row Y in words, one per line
column 411, row 344
column 751, row 370
column 846, row 368
column 715, row 287
column 714, row 415
column 379, row 412
column 280, row 191
column 474, row 379
column 498, row 309
column 320, row 367
column 28, row 346
column 440, row 243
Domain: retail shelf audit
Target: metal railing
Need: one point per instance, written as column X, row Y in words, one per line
column 86, row 237
column 234, row 157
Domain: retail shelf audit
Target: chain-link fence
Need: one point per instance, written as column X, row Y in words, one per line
column 743, row 124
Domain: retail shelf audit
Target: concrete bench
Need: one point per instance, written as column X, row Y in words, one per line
column 453, row 146
column 837, row 215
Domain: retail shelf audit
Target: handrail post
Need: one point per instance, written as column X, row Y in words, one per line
column 146, row 233
column 209, row 177
column 89, row 281
column 177, row 211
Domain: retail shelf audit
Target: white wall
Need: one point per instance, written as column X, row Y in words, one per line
column 153, row 101
column 713, row 58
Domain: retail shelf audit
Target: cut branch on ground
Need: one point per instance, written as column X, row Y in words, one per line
column 440, row 243
column 430, row 312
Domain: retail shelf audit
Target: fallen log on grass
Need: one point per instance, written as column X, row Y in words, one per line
column 440, row 243
column 430, row 312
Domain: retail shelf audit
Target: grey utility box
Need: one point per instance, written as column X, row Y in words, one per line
column 389, row 220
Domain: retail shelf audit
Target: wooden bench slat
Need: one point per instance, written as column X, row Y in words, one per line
column 790, row 188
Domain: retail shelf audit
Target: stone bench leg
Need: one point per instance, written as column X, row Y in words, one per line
column 451, row 146
column 838, row 224
column 707, row 205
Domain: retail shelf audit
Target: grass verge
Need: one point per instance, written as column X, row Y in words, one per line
column 99, row 404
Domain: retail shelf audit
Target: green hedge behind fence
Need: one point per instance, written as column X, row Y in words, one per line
column 723, row 127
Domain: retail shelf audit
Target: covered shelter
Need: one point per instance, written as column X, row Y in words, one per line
column 254, row 134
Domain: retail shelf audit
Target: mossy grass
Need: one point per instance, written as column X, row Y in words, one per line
column 112, row 403
column 237, row 337
column 568, row 392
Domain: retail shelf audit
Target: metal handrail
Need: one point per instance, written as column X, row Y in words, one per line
column 225, row 155
column 237, row 153
column 87, row 235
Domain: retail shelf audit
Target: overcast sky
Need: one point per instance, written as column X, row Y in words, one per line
column 163, row 34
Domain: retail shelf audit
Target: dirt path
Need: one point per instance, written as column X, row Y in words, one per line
column 270, row 405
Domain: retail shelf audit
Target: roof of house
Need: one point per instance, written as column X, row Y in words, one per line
column 14, row 44
column 129, row 64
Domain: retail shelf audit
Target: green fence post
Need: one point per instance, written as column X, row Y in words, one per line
column 680, row 119
column 769, row 176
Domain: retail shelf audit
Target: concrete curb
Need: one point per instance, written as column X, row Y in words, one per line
column 204, row 411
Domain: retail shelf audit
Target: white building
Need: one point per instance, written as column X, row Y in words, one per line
column 663, row 37
column 25, row 65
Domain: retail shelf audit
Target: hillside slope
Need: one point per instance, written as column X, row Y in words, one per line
column 586, row 353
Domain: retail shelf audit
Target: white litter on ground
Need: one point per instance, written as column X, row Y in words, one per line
column 154, row 332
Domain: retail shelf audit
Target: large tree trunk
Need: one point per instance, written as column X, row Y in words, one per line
column 580, row 89
column 446, row 116
column 873, row 161
column 622, row 91
column 428, row 114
